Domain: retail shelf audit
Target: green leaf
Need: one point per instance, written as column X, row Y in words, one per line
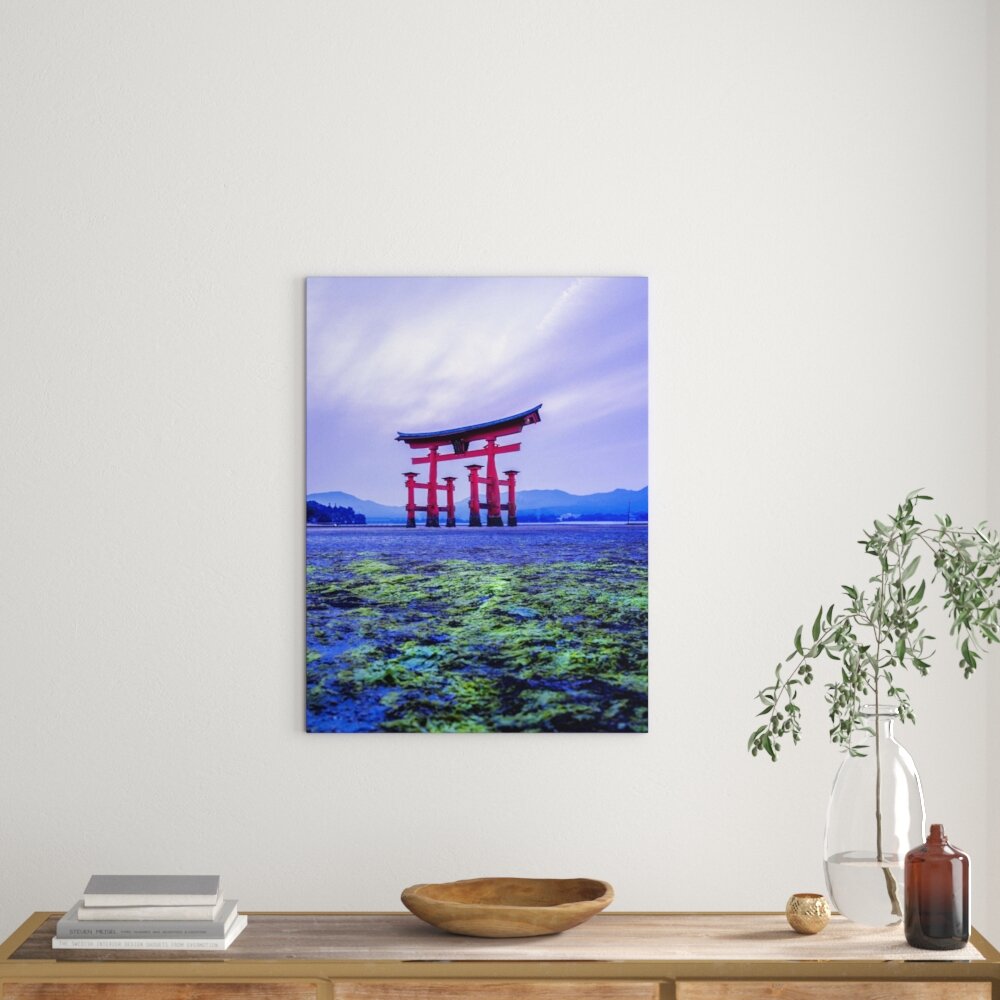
column 880, row 629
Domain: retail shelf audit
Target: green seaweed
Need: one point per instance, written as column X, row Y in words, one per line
column 459, row 645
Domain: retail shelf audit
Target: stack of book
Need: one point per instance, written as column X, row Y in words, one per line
column 166, row 912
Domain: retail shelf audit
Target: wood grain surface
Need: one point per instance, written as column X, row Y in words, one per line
column 831, row 991
column 495, row 991
column 610, row 937
column 159, row 991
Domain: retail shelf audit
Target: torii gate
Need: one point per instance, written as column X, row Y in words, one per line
column 459, row 439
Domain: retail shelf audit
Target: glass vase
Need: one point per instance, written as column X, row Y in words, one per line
column 876, row 815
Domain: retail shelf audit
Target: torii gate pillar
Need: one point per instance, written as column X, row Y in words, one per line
column 475, row 521
column 411, row 504
column 511, row 504
column 433, row 516
column 494, row 519
column 450, row 501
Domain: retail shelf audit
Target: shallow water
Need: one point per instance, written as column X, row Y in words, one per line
column 539, row 628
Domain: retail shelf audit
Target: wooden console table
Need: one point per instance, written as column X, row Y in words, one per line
column 615, row 956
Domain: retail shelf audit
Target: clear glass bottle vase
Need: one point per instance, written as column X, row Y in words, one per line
column 876, row 815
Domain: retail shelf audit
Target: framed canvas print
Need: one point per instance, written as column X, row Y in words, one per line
column 476, row 504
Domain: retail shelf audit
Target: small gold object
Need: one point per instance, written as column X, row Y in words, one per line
column 807, row 912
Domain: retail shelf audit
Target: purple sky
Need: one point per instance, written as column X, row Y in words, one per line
column 416, row 354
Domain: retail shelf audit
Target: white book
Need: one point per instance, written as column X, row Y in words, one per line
column 209, row 912
column 70, row 926
column 156, row 944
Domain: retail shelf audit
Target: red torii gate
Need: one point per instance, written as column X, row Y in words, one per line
column 459, row 438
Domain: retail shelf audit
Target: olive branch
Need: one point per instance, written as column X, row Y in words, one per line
column 878, row 633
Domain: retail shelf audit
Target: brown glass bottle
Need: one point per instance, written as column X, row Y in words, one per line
column 937, row 894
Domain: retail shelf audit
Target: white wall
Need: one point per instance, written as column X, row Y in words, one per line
column 805, row 186
column 993, row 460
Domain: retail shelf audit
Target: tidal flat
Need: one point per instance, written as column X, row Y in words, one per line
column 538, row 628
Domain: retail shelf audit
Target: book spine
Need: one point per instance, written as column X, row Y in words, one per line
column 140, row 932
column 147, row 899
column 202, row 888
column 156, row 944
column 151, row 944
column 105, row 914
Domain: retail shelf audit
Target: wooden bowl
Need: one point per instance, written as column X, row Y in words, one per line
column 508, row 907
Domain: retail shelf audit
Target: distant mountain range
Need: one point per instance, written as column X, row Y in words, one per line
column 531, row 505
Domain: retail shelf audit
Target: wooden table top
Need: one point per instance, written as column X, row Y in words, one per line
column 608, row 937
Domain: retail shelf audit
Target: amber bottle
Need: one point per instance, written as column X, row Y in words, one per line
column 937, row 894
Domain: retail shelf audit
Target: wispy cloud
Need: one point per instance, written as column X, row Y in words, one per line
column 391, row 354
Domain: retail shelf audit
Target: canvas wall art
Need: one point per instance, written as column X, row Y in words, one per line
column 476, row 505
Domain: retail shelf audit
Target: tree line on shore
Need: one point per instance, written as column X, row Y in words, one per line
column 319, row 513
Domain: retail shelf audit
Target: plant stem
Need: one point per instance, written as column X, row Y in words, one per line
column 890, row 879
column 878, row 779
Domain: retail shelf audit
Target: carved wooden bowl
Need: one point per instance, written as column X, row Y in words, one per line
column 508, row 907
